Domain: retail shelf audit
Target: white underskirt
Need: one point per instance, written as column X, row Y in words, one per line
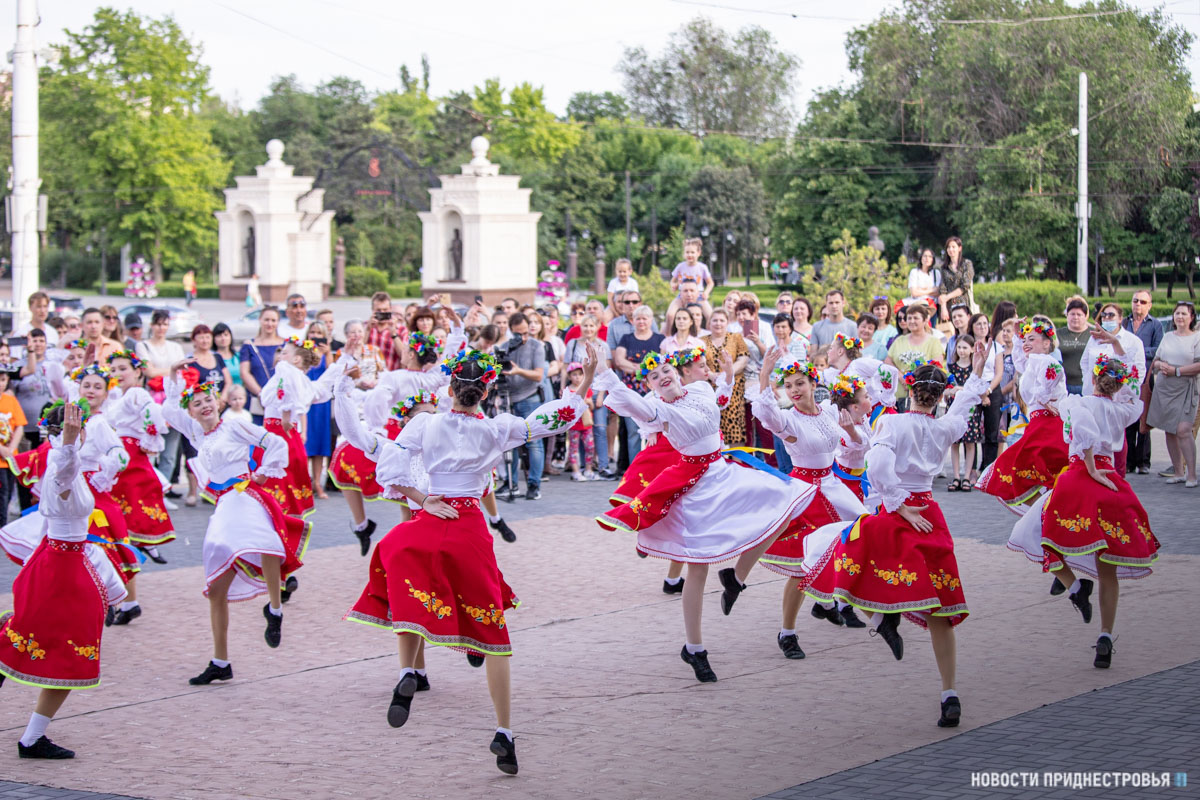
column 22, row 536
column 240, row 528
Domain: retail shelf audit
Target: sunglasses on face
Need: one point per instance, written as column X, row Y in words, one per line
column 1137, row 302
column 111, row 317
column 300, row 304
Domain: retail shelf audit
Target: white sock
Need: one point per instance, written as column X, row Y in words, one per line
column 406, row 671
column 420, row 672
column 946, row 695
column 786, row 632
column 841, row 605
column 694, row 648
column 220, row 663
column 1074, row 587
column 494, row 518
column 1104, row 635
column 828, row 606
column 277, row 611
column 674, row 581
column 35, row 729
column 877, row 620
column 506, row 732
column 361, row 527
column 128, row 605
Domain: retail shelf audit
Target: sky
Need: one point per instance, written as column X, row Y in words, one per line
column 565, row 47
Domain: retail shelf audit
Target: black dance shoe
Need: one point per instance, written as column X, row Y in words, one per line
column 474, row 659
column 109, row 615
column 733, row 587
column 850, row 618
column 364, row 537
column 274, row 632
column 126, row 617
column 889, row 631
column 289, row 586
column 642, row 554
column 829, row 614
column 44, row 748
column 790, row 646
column 699, row 663
column 422, row 683
column 152, row 554
column 1056, row 587
column 1104, row 651
column 1082, row 599
column 951, row 711
column 402, row 697
column 505, row 750
column 212, row 673
column 506, row 533
column 670, row 588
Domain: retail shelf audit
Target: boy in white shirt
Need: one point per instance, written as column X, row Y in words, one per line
column 624, row 282
column 692, row 268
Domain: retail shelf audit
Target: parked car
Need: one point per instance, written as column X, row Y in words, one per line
column 246, row 326
column 66, row 305
column 183, row 319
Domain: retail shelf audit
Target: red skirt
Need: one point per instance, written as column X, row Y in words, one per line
column 108, row 523
column 886, row 565
column 294, row 492
column 53, row 634
column 1028, row 467
column 656, row 498
column 351, row 471
column 649, row 462
column 30, row 466
column 139, row 494
column 786, row 555
column 438, row 579
column 1083, row 517
column 293, row 532
column 854, row 483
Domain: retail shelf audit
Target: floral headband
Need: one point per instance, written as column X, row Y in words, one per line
column 422, row 343
column 84, row 406
column 681, row 358
column 95, row 368
column 797, row 368
column 846, row 387
column 1114, row 368
column 650, row 362
column 307, row 344
column 453, row 366
column 75, row 344
column 195, row 390
column 848, row 342
column 406, row 406
column 910, row 377
column 130, row 356
column 1044, row 327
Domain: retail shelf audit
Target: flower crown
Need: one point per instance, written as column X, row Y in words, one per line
column 681, row 358
column 453, row 366
column 307, row 344
column 1044, row 327
column 650, row 362
column 1114, row 368
column 808, row 368
column 910, row 377
column 44, row 418
column 95, row 368
column 196, row 389
column 422, row 343
column 405, row 406
column 848, row 342
column 130, row 356
column 846, row 387
column 75, row 344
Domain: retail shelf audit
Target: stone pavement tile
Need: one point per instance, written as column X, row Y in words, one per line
column 27, row 791
column 603, row 705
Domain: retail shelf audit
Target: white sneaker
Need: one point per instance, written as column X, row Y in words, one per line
column 1175, row 479
column 579, row 476
column 1190, row 485
column 169, row 505
column 590, row 476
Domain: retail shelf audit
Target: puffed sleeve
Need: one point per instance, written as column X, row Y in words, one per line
column 456, row 340
column 622, row 400
column 275, row 449
column 323, row 386
column 150, row 417
column 380, row 400
column 546, row 420
column 724, row 390
column 1020, row 358
column 953, row 424
column 399, row 462
column 349, row 424
column 56, row 376
column 1043, row 380
column 176, row 415
column 881, row 460
column 1081, row 429
column 62, row 468
column 290, row 390
column 852, row 450
column 110, row 453
column 767, row 411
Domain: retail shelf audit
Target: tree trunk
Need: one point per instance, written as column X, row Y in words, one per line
column 1112, row 291
column 158, row 273
column 1191, row 286
column 1171, row 282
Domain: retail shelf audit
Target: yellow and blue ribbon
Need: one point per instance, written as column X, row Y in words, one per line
column 742, row 456
column 852, row 531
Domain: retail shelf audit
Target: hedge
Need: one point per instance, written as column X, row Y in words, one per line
column 406, row 289
column 165, row 289
column 365, row 281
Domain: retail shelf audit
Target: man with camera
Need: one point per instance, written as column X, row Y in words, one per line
column 523, row 360
column 385, row 331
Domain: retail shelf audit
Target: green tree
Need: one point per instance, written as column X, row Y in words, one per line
column 731, row 203
column 592, row 106
column 362, row 252
column 521, row 125
column 1173, row 216
column 709, row 80
column 860, row 273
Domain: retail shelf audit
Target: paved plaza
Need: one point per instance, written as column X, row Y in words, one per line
column 603, row 706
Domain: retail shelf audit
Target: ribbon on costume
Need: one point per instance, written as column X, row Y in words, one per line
column 876, row 413
column 861, row 477
column 1020, row 419
column 100, row 540
column 233, row 483
column 851, row 531
column 30, row 510
column 742, row 456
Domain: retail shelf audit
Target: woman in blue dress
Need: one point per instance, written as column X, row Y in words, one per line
column 318, row 442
